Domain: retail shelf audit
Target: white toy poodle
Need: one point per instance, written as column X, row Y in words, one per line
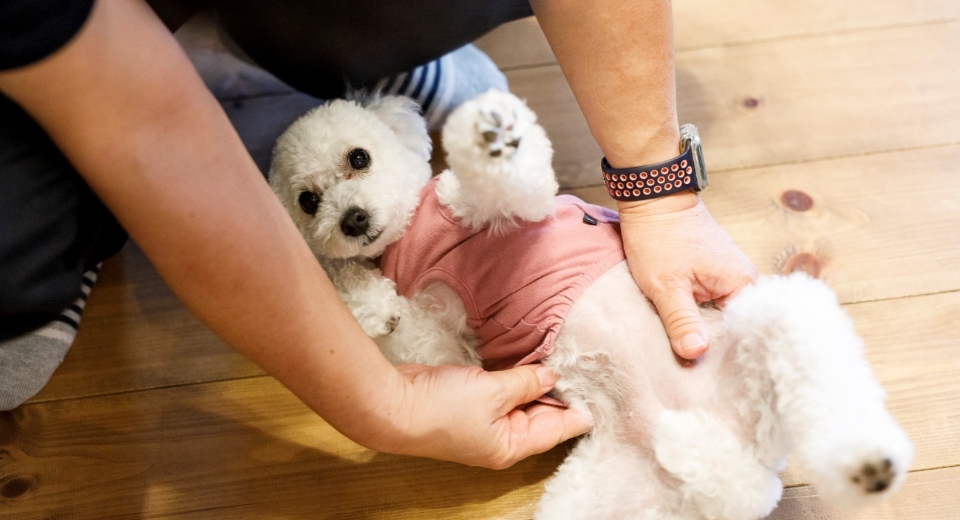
column 485, row 265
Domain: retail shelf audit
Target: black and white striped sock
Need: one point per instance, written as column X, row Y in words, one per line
column 28, row 361
column 443, row 84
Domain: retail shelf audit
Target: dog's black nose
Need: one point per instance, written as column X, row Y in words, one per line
column 355, row 222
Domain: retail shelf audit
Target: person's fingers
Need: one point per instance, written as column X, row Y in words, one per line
column 681, row 317
column 549, row 426
column 521, row 385
column 538, row 408
column 411, row 371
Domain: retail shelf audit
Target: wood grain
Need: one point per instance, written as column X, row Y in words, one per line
column 135, row 334
column 517, row 44
column 760, row 104
column 701, row 23
column 250, row 448
column 928, row 495
column 879, row 226
column 245, row 442
column 855, row 105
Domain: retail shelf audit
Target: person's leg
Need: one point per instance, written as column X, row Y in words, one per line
column 53, row 230
column 175, row 13
column 445, row 83
column 27, row 361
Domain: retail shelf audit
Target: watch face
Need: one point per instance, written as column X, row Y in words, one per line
column 690, row 138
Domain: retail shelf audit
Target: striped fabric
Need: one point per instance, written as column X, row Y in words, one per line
column 71, row 315
column 443, row 84
column 423, row 84
column 28, row 361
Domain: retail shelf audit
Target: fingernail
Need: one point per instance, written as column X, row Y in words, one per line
column 692, row 343
column 546, row 376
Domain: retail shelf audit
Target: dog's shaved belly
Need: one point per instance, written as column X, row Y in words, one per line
column 616, row 333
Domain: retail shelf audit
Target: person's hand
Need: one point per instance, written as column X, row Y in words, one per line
column 464, row 414
column 680, row 257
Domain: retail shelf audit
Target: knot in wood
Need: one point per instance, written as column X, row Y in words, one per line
column 13, row 487
column 806, row 262
column 796, row 200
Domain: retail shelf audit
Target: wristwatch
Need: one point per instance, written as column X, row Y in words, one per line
column 684, row 172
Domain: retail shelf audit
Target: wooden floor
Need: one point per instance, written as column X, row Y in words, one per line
column 854, row 104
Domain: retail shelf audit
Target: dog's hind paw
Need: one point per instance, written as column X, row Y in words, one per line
column 862, row 471
column 874, row 476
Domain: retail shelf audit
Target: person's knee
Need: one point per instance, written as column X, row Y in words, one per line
column 53, row 227
column 39, row 279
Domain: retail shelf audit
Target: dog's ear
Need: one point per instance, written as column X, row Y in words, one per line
column 402, row 115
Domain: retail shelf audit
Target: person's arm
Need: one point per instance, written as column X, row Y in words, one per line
column 125, row 106
column 618, row 58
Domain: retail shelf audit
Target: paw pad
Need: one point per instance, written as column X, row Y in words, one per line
column 874, row 477
column 497, row 130
column 392, row 323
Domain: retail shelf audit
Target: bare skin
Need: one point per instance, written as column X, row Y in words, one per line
column 620, row 66
column 128, row 110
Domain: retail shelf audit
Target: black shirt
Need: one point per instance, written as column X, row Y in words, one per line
column 31, row 30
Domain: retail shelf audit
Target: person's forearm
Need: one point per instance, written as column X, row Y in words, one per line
column 126, row 107
column 617, row 57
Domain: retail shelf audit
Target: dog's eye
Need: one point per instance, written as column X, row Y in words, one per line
column 359, row 159
column 309, row 201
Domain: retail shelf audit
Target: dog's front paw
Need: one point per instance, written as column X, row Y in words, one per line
column 376, row 327
column 498, row 121
column 498, row 130
column 371, row 297
column 379, row 318
column 500, row 163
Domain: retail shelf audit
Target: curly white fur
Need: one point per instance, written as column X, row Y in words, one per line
column 517, row 185
column 785, row 372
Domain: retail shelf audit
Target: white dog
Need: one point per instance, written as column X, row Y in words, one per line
column 785, row 372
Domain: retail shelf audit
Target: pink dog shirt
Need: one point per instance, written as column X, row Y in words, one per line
column 517, row 286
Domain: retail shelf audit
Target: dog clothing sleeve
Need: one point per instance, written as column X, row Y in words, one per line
column 517, row 286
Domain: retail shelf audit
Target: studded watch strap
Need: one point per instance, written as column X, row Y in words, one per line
column 648, row 182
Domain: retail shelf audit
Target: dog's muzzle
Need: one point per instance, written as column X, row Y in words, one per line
column 355, row 222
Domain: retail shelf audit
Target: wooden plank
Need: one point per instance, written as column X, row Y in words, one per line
column 930, row 495
column 517, row 44
column 135, row 334
column 243, row 443
column 248, row 448
column 786, row 101
column 927, row 495
column 701, row 23
column 879, row 226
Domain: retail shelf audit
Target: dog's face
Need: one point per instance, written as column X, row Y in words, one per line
column 350, row 175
